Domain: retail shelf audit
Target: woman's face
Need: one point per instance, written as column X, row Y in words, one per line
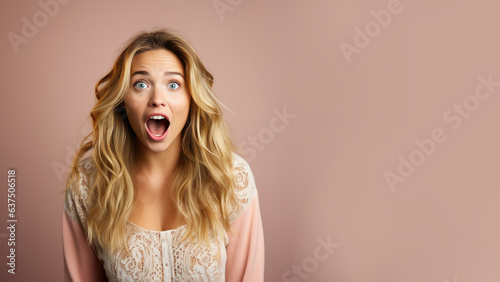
column 157, row 102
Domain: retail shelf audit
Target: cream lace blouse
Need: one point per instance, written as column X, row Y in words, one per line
column 159, row 255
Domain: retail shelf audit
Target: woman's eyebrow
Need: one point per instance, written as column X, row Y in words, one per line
column 165, row 74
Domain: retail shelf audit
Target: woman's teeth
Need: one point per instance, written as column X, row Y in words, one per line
column 157, row 117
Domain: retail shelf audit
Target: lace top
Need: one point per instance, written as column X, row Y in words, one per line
column 159, row 255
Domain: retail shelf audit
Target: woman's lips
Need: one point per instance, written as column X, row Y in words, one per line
column 157, row 126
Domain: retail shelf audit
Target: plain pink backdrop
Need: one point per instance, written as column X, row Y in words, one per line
column 321, row 171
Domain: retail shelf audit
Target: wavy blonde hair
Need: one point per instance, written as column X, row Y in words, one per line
column 203, row 181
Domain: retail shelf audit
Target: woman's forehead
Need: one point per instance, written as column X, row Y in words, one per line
column 160, row 60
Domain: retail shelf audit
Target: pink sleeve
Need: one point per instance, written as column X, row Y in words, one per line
column 245, row 250
column 80, row 260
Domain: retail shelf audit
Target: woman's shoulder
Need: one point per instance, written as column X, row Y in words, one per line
column 245, row 188
column 75, row 202
column 243, row 175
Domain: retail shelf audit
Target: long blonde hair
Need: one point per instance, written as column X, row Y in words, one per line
column 203, row 181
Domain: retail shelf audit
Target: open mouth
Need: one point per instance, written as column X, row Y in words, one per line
column 157, row 126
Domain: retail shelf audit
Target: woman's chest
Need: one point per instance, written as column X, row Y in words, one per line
column 155, row 211
column 161, row 256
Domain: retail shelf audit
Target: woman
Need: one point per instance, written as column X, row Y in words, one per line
column 156, row 192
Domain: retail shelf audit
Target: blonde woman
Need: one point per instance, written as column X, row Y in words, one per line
column 156, row 191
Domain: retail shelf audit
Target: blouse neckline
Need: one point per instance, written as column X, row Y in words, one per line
column 158, row 231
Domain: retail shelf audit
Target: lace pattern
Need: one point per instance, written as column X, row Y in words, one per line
column 160, row 255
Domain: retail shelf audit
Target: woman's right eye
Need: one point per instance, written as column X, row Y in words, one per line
column 140, row 85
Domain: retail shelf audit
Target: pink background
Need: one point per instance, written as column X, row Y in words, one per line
column 321, row 175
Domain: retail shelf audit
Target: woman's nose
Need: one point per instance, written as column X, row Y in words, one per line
column 158, row 97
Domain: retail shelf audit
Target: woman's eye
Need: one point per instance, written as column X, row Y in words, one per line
column 140, row 85
column 173, row 85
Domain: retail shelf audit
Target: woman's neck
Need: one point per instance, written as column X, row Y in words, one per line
column 158, row 165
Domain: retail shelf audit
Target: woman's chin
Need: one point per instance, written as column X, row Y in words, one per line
column 158, row 147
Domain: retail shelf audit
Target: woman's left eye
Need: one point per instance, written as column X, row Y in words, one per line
column 173, row 85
